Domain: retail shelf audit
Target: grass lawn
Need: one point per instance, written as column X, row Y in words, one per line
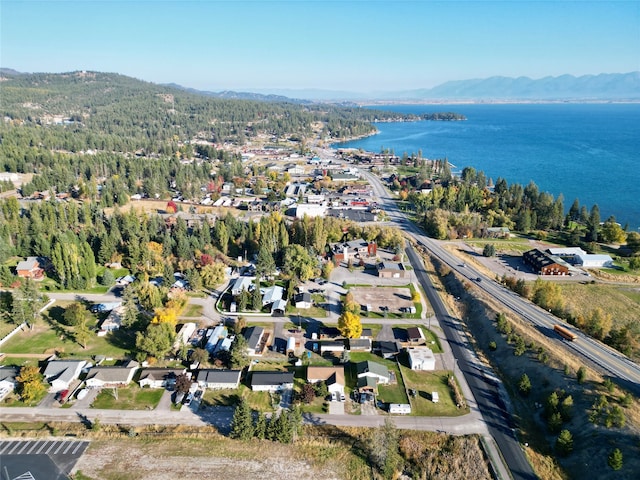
column 223, row 397
column 18, row 361
column 6, row 327
column 614, row 300
column 192, row 310
column 426, row 382
column 49, row 336
column 12, row 400
column 387, row 393
column 271, row 365
column 129, row 398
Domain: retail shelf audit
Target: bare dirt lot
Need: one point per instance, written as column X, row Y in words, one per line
column 185, row 458
column 376, row 297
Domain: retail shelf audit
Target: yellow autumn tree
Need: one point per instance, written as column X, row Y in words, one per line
column 349, row 325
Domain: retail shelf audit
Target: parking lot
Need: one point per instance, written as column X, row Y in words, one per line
column 40, row 459
column 390, row 298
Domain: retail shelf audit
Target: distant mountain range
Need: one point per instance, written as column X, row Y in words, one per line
column 603, row 87
column 596, row 88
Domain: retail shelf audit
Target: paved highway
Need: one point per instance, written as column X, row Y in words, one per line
column 483, row 386
column 605, row 359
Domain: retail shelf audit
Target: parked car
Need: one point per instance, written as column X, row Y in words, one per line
column 198, row 395
column 82, row 393
column 62, row 395
column 188, row 399
column 334, row 396
column 342, row 397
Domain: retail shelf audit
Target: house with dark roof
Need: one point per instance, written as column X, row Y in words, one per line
column 159, row 377
column 218, row 379
column 255, row 340
column 544, row 263
column 415, row 335
column 271, row 381
column 360, row 344
column 303, row 300
column 387, row 349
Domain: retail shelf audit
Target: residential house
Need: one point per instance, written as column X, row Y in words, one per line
column 360, row 344
column 303, row 300
column 368, row 370
column 367, row 333
column 421, row 358
column 113, row 320
column 159, row 377
column 31, row 268
column 388, row 349
column 8, row 380
column 272, row 294
column 110, row 377
column 332, row 376
column 60, row 373
column 242, row 283
column 310, row 210
column 218, row 379
column 215, row 335
column 271, row 381
column 279, row 307
column 388, row 269
column 184, row 333
column 255, row 340
column 334, row 346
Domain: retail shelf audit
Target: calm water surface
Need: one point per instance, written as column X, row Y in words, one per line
column 586, row 151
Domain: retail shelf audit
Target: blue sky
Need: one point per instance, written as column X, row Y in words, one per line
column 361, row 46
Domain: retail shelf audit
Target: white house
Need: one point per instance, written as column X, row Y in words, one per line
column 254, row 336
column 242, row 283
column 218, row 333
column 184, row 334
column 303, row 300
column 218, row 379
column 108, row 377
column 333, row 376
column 272, row 294
column 373, row 370
column 421, row 358
column 8, row 380
column 159, row 377
column 271, row 381
column 114, row 320
column 60, row 373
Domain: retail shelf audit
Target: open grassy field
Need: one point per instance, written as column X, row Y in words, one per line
column 622, row 302
column 52, row 337
column 192, row 310
column 129, row 398
column 425, row 383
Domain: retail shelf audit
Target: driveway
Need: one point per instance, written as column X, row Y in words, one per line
column 49, row 401
column 88, row 400
column 164, row 405
column 368, row 408
column 336, row 408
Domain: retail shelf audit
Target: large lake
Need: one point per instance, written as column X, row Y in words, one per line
column 586, row 151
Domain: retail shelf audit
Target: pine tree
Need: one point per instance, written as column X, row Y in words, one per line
column 242, row 425
column 615, row 459
column 564, row 443
column 260, row 429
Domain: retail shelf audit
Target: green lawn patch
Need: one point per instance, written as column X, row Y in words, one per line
column 424, row 383
column 18, row 361
column 192, row 310
column 12, row 400
column 221, row 398
column 129, row 398
column 51, row 336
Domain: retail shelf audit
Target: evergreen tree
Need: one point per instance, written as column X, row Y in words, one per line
column 615, row 460
column 256, row 295
column 238, row 357
column 564, row 443
column 241, row 424
column 260, row 428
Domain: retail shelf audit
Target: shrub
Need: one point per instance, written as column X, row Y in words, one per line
column 615, row 459
column 524, row 385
